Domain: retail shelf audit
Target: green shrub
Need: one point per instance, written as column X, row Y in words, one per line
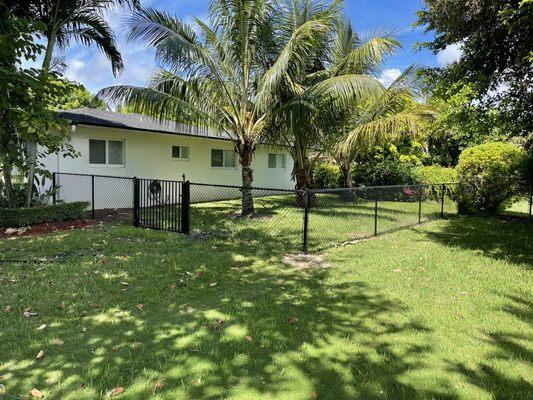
column 384, row 172
column 19, row 194
column 490, row 176
column 16, row 217
column 435, row 174
column 326, row 175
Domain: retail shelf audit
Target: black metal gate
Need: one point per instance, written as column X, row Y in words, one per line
column 161, row 204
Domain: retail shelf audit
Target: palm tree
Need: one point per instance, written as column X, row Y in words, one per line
column 383, row 119
column 230, row 76
column 342, row 55
column 61, row 22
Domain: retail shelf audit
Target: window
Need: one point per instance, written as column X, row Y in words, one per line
column 106, row 152
column 222, row 158
column 180, row 152
column 276, row 161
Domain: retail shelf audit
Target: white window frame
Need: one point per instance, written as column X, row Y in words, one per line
column 180, row 159
column 276, row 168
column 223, row 159
column 106, row 165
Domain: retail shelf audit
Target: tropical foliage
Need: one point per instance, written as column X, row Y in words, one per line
column 57, row 23
column 243, row 74
column 490, row 175
column 496, row 58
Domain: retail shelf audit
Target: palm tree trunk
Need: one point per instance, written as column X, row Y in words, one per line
column 346, row 171
column 246, row 151
column 302, row 166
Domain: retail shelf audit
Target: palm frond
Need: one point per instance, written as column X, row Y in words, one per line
column 388, row 128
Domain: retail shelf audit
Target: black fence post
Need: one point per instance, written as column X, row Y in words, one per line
column 420, row 194
column 376, row 217
column 54, row 188
column 92, row 196
column 442, row 201
column 306, row 221
column 136, row 202
column 185, row 207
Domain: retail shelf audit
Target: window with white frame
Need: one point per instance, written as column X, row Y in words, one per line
column 180, row 152
column 222, row 158
column 276, row 161
column 106, row 152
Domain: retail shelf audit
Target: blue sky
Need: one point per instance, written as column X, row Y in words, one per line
column 92, row 69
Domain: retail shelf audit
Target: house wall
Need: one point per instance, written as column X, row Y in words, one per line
column 148, row 155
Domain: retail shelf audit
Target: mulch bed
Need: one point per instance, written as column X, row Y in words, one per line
column 41, row 229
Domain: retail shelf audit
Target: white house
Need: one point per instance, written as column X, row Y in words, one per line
column 133, row 145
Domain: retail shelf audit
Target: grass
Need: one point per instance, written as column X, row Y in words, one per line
column 331, row 220
column 439, row 311
column 519, row 208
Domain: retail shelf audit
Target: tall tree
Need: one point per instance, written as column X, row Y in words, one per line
column 382, row 120
column 60, row 22
column 342, row 54
column 230, row 75
column 497, row 59
column 24, row 96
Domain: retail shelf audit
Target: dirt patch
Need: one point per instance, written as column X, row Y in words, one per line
column 305, row 261
column 48, row 227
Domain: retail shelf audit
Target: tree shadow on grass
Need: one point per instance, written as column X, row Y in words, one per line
column 507, row 346
column 500, row 239
column 213, row 324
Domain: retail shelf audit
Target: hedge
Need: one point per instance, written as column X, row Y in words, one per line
column 17, row 217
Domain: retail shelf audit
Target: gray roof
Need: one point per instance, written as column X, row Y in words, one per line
column 95, row 117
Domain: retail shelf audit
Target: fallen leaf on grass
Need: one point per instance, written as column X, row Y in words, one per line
column 314, row 395
column 139, row 307
column 29, row 314
column 124, row 284
column 42, row 327
column 249, row 338
column 36, row 394
column 293, row 320
column 213, row 284
column 39, row 355
column 58, row 342
column 116, row 391
column 61, row 305
column 7, row 308
column 397, row 270
column 158, row 386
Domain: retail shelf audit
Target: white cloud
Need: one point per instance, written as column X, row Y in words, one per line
column 389, row 75
column 449, row 55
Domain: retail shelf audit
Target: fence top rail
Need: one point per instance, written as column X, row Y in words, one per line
column 416, row 185
column 240, row 187
column 95, row 175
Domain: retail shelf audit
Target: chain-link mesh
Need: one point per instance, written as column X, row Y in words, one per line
column 216, row 210
column 350, row 214
column 281, row 219
column 110, row 198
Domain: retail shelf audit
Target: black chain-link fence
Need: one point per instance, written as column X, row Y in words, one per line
column 110, row 198
column 285, row 220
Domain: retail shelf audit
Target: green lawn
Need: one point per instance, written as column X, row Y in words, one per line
column 520, row 208
column 331, row 220
column 443, row 310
